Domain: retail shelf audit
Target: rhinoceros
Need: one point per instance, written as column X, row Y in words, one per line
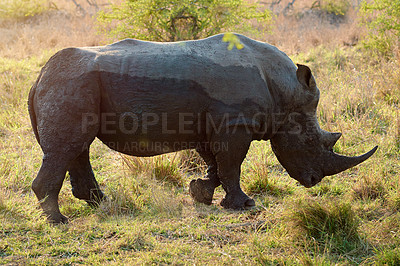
column 148, row 98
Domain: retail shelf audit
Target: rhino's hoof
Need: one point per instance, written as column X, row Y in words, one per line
column 250, row 203
column 238, row 203
column 57, row 218
column 201, row 191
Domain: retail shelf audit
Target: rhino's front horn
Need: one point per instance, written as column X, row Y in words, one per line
column 336, row 163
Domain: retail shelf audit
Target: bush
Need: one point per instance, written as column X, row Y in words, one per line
column 382, row 18
column 338, row 7
column 22, row 8
column 171, row 20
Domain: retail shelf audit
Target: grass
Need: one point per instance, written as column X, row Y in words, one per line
column 331, row 225
column 149, row 218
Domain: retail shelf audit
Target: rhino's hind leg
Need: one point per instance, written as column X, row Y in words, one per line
column 47, row 185
column 84, row 184
column 202, row 190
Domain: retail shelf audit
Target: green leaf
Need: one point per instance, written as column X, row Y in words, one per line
column 233, row 41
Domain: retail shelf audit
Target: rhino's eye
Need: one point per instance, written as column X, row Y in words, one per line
column 295, row 130
column 310, row 140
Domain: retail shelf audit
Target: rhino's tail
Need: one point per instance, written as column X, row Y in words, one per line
column 31, row 109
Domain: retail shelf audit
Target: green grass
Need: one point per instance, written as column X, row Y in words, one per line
column 149, row 218
column 332, row 224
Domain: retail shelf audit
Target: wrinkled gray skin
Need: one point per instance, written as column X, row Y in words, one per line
column 163, row 97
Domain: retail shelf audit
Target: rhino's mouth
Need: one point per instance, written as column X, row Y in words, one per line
column 310, row 179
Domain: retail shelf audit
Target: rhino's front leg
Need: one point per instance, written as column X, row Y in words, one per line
column 230, row 150
column 202, row 190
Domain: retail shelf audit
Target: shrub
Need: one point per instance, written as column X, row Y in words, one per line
column 22, row 8
column 382, row 19
column 338, row 7
column 170, row 20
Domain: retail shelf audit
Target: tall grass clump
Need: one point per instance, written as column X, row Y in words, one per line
column 126, row 198
column 190, row 161
column 165, row 168
column 168, row 171
column 331, row 225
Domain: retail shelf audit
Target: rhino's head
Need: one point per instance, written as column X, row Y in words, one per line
column 302, row 147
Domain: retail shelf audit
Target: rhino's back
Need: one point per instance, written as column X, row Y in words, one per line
column 230, row 76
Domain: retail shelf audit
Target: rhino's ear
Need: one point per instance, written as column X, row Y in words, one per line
column 305, row 77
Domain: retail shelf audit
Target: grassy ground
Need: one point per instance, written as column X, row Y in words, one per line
column 349, row 218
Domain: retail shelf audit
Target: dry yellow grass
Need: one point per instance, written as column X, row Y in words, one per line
column 63, row 25
column 302, row 28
